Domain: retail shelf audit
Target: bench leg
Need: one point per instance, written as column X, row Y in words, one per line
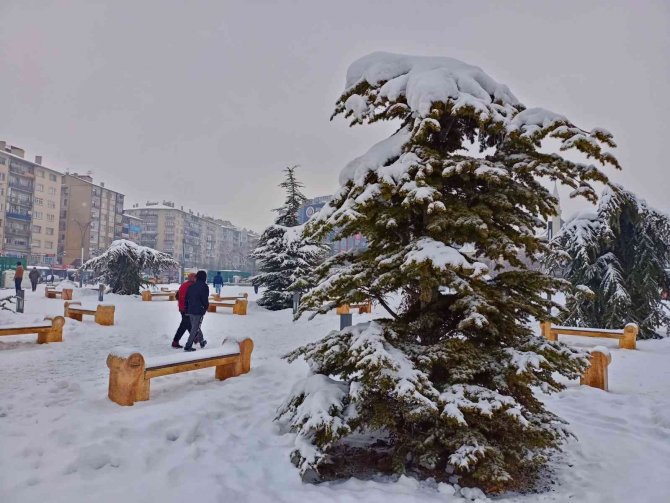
column 596, row 374
column 104, row 315
column 211, row 308
column 240, row 307
column 629, row 339
column 223, row 372
column 143, row 389
column 125, row 376
column 76, row 316
column 146, row 295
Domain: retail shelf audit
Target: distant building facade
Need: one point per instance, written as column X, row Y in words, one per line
column 131, row 228
column 91, row 218
column 30, row 202
column 193, row 239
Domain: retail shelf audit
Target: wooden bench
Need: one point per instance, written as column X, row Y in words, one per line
column 148, row 295
column 596, row 374
column 103, row 314
column 130, row 373
column 52, row 331
column 52, row 293
column 363, row 307
column 239, row 303
column 627, row 337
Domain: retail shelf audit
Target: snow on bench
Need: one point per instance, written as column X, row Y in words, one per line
column 103, row 313
column 51, row 331
column 627, row 337
column 130, row 373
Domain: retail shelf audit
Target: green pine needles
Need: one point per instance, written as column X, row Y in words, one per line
column 617, row 256
column 443, row 386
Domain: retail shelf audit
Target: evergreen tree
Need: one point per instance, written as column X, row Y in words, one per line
column 443, row 386
column 284, row 254
column 288, row 214
column 619, row 253
column 122, row 264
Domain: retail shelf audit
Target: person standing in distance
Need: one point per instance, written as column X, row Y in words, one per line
column 18, row 277
column 34, row 276
column 218, row 282
column 197, row 302
column 181, row 305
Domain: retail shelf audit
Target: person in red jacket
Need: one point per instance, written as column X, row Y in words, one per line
column 181, row 305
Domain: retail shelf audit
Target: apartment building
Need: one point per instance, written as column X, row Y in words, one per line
column 193, row 239
column 91, row 217
column 30, row 203
column 132, row 228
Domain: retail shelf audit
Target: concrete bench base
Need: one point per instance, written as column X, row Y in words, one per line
column 49, row 332
column 129, row 376
column 103, row 314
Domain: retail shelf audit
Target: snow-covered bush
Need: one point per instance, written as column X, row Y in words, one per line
column 122, row 264
column 444, row 385
column 619, row 253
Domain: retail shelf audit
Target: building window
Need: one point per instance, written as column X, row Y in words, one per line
column 37, row 228
column 36, row 243
column 50, row 217
column 52, row 191
column 2, row 177
column 48, row 245
column 38, row 201
column 52, row 177
column 50, row 231
column 39, row 187
column 3, row 160
column 51, row 204
column 40, row 173
column 37, row 215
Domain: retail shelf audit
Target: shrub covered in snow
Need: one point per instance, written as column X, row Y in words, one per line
column 284, row 255
column 122, row 264
column 619, row 255
column 444, row 386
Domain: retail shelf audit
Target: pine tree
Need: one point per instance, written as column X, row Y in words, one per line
column 619, row 253
column 444, row 384
column 122, row 264
column 285, row 256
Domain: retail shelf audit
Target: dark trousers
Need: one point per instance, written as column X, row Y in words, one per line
column 17, row 284
column 33, row 284
column 196, row 334
column 183, row 326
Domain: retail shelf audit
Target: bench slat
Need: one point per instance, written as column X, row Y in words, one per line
column 170, row 369
column 24, row 330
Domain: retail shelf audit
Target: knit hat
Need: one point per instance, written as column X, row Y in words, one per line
column 201, row 276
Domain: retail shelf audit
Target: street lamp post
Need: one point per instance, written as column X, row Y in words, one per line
column 83, row 227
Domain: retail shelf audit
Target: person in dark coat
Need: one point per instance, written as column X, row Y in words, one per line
column 197, row 302
column 34, row 276
column 218, row 282
column 181, row 305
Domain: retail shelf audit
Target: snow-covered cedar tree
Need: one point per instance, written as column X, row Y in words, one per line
column 284, row 256
column 121, row 266
column 619, row 253
column 443, row 387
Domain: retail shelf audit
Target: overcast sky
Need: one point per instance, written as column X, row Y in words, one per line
column 204, row 102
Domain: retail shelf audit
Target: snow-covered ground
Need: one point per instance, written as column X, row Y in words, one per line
column 62, row 440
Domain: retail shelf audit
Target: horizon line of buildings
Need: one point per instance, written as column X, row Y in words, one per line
column 50, row 218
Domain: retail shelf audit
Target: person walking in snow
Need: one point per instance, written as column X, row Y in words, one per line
column 218, row 282
column 197, row 302
column 34, row 277
column 18, row 277
column 181, row 305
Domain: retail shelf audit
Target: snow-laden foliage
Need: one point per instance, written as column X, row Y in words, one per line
column 284, row 255
column 443, row 387
column 121, row 266
column 617, row 258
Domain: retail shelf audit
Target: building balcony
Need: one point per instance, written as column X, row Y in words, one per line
column 25, row 187
column 19, row 216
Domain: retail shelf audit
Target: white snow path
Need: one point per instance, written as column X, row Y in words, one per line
column 62, row 440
